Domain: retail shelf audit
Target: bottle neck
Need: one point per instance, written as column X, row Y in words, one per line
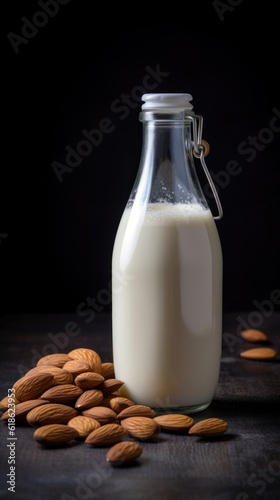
column 166, row 173
column 164, row 144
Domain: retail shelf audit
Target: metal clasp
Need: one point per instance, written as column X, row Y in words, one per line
column 199, row 152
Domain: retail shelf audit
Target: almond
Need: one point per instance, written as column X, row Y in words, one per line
column 32, row 387
column 136, row 411
column 107, row 399
column 60, row 376
column 254, row 335
column 174, row 422
column 88, row 380
column 110, row 385
column 106, row 435
column 119, row 403
column 259, row 353
column 123, row 452
column 88, row 399
column 5, row 401
column 102, row 415
column 55, row 434
column 91, row 357
column 107, row 370
column 142, row 428
column 56, row 359
column 65, row 393
column 51, row 413
column 76, row 366
column 210, row 427
column 84, row 425
column 35, row 370
column 21, row 409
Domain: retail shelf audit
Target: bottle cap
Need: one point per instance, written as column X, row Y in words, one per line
column 167, row 101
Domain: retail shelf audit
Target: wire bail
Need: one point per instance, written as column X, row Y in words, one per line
column 199, row 152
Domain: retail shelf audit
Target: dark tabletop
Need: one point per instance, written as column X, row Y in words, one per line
column 244, row 464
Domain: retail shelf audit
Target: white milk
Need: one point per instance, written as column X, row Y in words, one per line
column 167, row 317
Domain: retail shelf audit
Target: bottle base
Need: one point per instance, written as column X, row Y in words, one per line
column 184, row 410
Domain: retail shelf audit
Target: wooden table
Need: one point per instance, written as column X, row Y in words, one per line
column 243, row 464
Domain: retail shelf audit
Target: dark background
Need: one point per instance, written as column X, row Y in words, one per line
column 56, row 238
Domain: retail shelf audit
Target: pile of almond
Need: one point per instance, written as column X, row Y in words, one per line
column 76, row 396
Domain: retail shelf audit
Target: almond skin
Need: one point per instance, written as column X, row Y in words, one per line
column 88, row 399
column 32, row 387
column 91, row 357
column 88, row 380
column 254, row 335
column 22, row 409
column 56, row 359
column 210, row 427
column 84, row 425
column 110, row 385
column 76, row 366
column 259, row 353
column 136, row 411
column 106, row 435
column 55, row 434
column 51, row 413
column 65, row 393
column 102, row 415
column 107, row 370
column 123, row 452
column 174, row 422
column 60, row 376
column 142, row 428
column 5, row 401
column 107, row 399
column 119, row 404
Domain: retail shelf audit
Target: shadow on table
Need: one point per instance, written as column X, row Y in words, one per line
column 249, row 407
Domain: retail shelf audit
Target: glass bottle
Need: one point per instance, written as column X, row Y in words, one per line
column 167, row 308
